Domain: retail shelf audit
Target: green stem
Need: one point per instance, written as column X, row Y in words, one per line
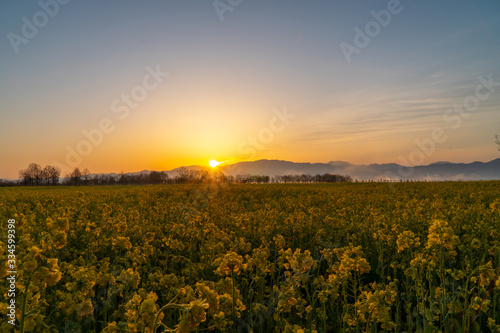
column 23, row 308
column 233, row 312
column 181, row 307
column 170, row 304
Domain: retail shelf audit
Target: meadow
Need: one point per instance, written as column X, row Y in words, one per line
column 346, row 257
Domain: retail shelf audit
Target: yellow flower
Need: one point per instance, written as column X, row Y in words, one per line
column 441, row 235
column 112, row 327
column 60, row 239
column 407, row 240
column 52, row 277
column 148, row 305
column 487, row 274
column 193, row 317
column 30, row 265
column 210, row 296
column 351, row 260
column 231, row 263
column 35, row 252
column 129, row 277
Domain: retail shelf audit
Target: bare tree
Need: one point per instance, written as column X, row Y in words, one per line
column 25, row 176
column 32, row 175
column 44, row 175
column 35, row 175
column 497, row 137
column 52, row 174
column 75, row 176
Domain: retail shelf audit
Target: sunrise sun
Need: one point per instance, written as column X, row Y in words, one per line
column 213, row 163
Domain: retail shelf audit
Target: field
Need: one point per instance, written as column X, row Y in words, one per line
column 353, row 257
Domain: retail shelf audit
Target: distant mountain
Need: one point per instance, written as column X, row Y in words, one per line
column 389, row 171
column 435, row 171
column 274, row 167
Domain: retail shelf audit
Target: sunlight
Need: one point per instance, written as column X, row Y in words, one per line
column 213, row 163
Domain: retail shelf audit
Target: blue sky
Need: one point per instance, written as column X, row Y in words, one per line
column 226, row 79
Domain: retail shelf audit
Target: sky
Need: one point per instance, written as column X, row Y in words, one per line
column 154, row 85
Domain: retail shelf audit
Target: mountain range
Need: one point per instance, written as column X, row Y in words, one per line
column 390, row 171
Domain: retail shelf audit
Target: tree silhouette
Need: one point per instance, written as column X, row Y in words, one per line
column 497, row 137
column 51, row 175
column 25, row 176
column 32, row 175
column 55, row 173
column 75, row 177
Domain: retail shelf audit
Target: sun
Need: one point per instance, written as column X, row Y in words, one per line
column 213, row 163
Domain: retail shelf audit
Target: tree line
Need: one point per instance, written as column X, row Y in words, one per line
column 325, row 178
column 35, row 175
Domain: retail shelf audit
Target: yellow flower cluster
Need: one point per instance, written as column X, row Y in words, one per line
column 407, row 240
column 441, row 235
column 272, row 258
column 230, row 264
